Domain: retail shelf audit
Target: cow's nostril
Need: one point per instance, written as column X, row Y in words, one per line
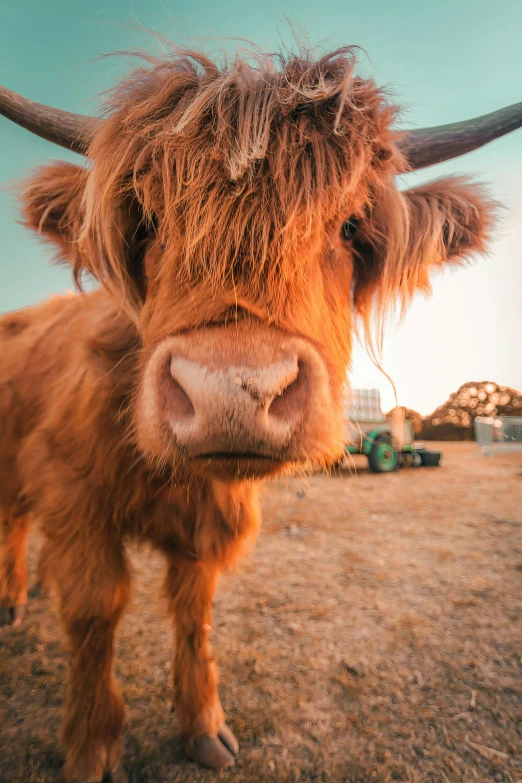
column 292, row 399
column 178, row 400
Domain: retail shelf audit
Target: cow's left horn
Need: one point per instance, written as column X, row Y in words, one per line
column 426, row 146
column 73, row 131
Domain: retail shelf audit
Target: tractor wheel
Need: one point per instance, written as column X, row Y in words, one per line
column 383, row 458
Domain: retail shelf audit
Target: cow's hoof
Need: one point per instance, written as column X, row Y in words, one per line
column 12, row 615
column 213, row 752
column 117, row 775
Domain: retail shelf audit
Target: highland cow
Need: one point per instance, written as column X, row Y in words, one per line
column 240, row 221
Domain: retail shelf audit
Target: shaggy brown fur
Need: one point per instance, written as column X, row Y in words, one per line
column 215, row 195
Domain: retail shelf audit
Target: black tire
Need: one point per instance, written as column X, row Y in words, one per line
column 430, row 459
column 383, row 458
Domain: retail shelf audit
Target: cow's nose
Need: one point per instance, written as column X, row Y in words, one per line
column 243, row 410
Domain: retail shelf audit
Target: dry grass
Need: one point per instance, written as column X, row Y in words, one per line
column 373, row 636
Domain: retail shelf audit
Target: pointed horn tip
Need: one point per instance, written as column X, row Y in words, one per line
column 427, row 146
column 68, row 130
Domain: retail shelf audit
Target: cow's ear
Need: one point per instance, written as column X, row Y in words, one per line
column 450, row 220
column 54, row 203
column 52, row 206
column 407, row 235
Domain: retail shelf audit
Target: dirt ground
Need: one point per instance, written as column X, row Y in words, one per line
column 374, row 635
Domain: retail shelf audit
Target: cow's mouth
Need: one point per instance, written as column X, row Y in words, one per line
column 236, row 456
column 238, row 464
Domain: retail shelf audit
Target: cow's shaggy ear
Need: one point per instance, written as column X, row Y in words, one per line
column 450, row 220
column 409, row 234
column 52, row 207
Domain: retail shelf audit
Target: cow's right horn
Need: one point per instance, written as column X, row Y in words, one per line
column 72, row 131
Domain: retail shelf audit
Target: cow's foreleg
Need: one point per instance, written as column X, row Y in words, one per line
column 206, row 737
column 13, row 569
column 93, row 590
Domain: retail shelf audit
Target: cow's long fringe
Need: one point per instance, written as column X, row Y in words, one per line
column 242, row 167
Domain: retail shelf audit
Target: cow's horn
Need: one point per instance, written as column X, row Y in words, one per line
column 426, row 146
column 422, row 146
column 73, row 131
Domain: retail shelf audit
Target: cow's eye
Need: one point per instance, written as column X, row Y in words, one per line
column 348, row 229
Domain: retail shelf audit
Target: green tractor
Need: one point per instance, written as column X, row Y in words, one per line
column 386, row 444
column 378, row 445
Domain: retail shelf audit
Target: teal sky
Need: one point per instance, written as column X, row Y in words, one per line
column 444, row 61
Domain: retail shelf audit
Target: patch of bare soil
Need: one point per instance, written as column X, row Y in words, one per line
column 374, row 635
